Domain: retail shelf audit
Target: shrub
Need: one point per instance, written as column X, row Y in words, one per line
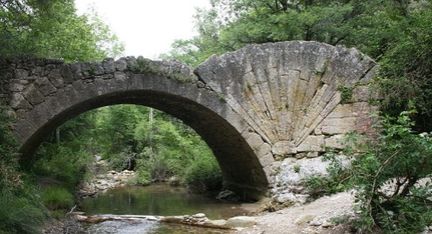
column 21, row 211
column 393, row 177
column 62, row 162
column 204, row 174
column 56, row 198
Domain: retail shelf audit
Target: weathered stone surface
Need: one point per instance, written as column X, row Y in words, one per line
column 288, row 182
column 335, row 142
column 312, row 144
column 266, row 160
column 263, row 150
column 16, row 87
column 254, row 140
column 45, row 86
column 252, row 106
column 312, row 154
column 333, row 126
column 21, row 74
column 120, row 65
column 276, row 99
column 56, row 78
column 284, row 148
column 18, row 102
column 33, row 95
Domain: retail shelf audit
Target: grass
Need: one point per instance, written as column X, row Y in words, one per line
column 57, row 198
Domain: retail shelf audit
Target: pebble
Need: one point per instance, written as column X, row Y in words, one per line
column 199, row 216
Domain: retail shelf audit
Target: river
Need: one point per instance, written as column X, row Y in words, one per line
column 157, row 199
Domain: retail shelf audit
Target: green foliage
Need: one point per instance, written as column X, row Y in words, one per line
column 392, row 178
column 21, row 210
column 44, row 29
column 296, row 168
column 145, row 66
column 62, row 162
column 56, row 197
column 368, row 25
column 154, row 144
column 346, row 93
column 406, row 70
column 53, row 29
column 337, row 180
column 9, row 176
column 203, row 174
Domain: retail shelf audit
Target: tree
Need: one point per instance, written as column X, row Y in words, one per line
column 53, row 29
column 368, row 25
column 42, row 28
column 393, row 179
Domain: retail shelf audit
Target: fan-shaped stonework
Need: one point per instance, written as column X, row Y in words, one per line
column 290, row 93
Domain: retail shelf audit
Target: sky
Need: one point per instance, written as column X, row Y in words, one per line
column 146, row 27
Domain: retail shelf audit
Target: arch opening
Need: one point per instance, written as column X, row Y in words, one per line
column 240, row 167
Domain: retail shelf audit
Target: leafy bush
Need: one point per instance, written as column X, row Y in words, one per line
column 9, row 176
column 143, row 177
column 393, row 179
column 337, row 180
column 55, row 198
column 21, row 211
column 63, row 162
column 203, row 174
column 406, row 69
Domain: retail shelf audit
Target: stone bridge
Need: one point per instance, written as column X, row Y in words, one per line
column 256, row 107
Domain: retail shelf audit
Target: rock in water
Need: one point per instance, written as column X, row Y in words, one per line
column 228, row 195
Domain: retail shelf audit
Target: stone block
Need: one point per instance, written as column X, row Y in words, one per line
column 33, row 95
column 312, row 154
column 21, row 74
column 16, row 87
column 333, row 126
column 121, row 64
column 361, row 94
column 266, row 160
column 342, row 111
column 335, row 142
column 254, row 140
column 55, row 76
column 19, row 102
column 264, row 149
column 312, row 144
column 70, row 72
column 283, row 148
column 108, row 65
column 45, row 86
column 120, row 75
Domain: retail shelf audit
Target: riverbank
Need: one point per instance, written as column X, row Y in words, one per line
column 103, row 182
column 325, row 215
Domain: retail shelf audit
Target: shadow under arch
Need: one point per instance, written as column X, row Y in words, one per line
column 201, row 109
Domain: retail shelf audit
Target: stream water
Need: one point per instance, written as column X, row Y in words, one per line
column 158, row 199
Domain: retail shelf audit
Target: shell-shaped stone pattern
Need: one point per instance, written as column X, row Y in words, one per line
column 290, row 93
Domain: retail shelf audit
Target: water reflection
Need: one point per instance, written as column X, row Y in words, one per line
column 159, row 199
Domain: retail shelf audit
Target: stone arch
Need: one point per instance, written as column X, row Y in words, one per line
column 199, row 108
column 254, row 107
